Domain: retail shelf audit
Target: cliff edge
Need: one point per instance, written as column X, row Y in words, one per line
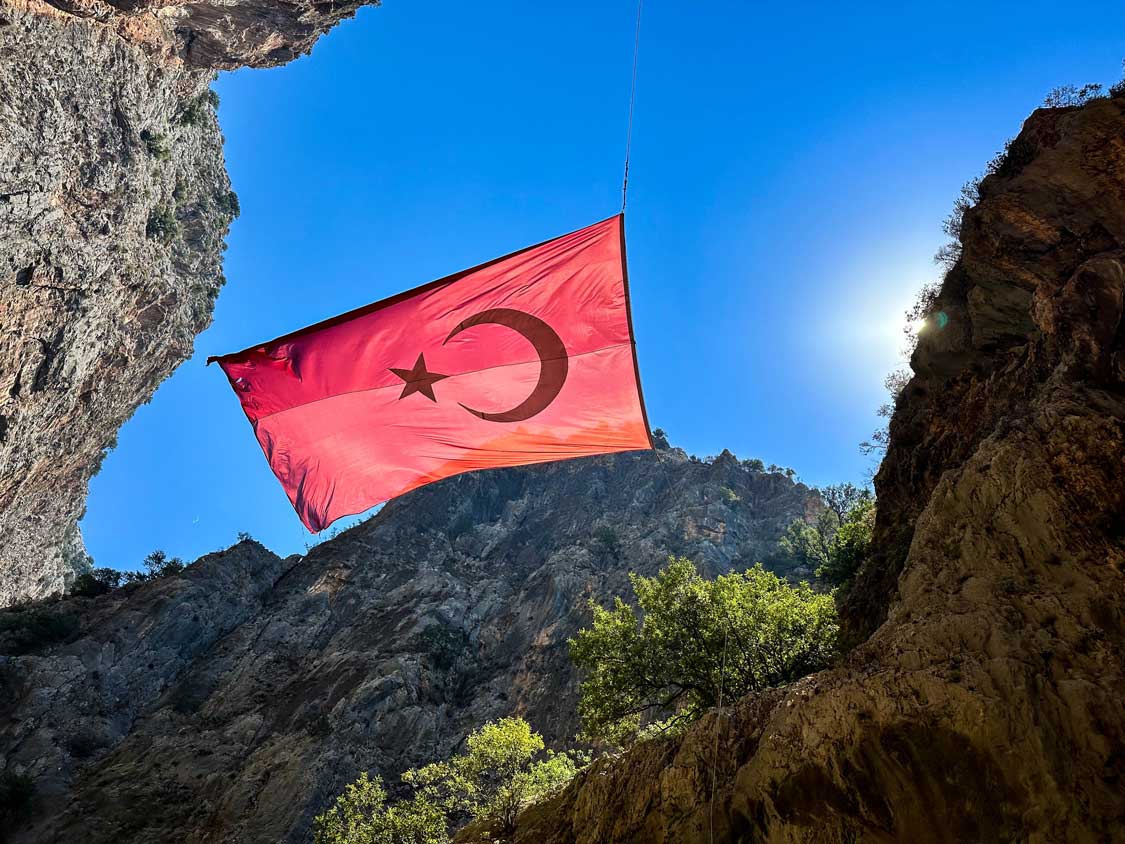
column 114, row 202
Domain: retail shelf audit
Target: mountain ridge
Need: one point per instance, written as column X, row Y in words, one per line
column 253, row 688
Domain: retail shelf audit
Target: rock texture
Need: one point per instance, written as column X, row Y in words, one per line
column 233, row 703
column 114, row 202
column 984, row 702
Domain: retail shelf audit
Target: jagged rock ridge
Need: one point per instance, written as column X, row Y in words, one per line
column 234, row 702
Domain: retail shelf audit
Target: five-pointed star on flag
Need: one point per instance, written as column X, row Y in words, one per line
column 418, row 379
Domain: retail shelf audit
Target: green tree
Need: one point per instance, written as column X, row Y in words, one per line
column 841, row 498
column 692, row 640
column 810, row 545
column 504, row 768
column 361, row 816
column 96, row 582
column 837, row 543
column 157, row 564
column 850, row 544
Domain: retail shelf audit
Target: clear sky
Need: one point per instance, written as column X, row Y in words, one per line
column 791, row 169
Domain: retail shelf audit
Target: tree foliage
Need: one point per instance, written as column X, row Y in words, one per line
column 850, row 544
column 1070, row 95
column 361, row 816
column 504, row 768
column 156, row 565
column 836, row 544
column 96, row 582
column 690, row 641
column 841, row 498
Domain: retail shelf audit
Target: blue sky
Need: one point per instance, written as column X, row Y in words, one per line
column 791, row 169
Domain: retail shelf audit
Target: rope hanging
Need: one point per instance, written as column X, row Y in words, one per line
column 632, row 98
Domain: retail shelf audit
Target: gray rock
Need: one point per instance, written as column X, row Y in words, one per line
column 114, row 202
column 97, row 306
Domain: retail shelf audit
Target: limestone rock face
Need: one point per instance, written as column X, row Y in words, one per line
column 233, row 703
column 984, row 702
column 114, row 202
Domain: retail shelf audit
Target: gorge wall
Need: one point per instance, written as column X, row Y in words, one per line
column 114, row 202
column 232, row 703
column 984, row 701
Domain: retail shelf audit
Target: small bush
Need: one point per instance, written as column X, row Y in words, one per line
column 157, row 145
column 163, row 225
column 442, row 644
column 950, row 253
column 1066, row 96
column 1010, row 161
column 607, row 540
column 198, row 110
column 83, row 745
column 156, row 565
column 25, row 630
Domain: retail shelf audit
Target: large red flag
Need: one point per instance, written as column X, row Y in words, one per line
column 525, row 359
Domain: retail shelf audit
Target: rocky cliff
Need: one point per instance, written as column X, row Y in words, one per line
column 114, row 202
column 233, row 702
column 984, row 701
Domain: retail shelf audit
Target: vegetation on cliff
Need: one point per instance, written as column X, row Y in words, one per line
column 504, row 768
column 836, row 544
column 691, row 642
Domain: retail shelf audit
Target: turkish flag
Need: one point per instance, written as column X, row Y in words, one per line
column 526, row 359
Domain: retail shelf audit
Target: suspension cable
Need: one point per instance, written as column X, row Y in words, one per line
column 632, row 99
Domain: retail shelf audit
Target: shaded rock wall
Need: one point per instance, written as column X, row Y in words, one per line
column 114, row 202
column 234, row 703
column 986, row 703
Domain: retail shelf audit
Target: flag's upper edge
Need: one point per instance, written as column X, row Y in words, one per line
column 414, row 291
